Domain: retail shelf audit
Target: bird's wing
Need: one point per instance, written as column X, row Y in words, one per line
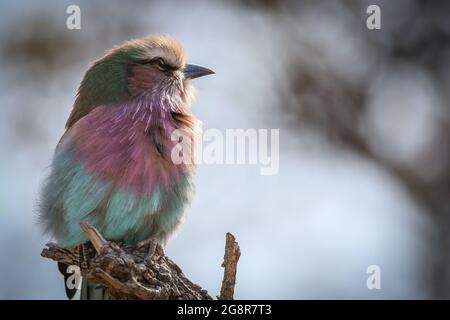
column 105, row 83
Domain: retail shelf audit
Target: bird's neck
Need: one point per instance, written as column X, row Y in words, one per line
column 148, row 112
column 157, row 117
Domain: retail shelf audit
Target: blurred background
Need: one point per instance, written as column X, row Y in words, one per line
column 364, row 123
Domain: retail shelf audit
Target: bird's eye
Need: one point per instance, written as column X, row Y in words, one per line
column 160, row 63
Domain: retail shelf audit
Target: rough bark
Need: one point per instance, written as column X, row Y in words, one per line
column 141, row 272
column 230, row 260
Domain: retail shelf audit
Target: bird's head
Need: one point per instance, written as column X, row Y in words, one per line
column 157, row 64
column 151, row 67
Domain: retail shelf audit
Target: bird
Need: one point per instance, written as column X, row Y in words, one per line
column 113, row 166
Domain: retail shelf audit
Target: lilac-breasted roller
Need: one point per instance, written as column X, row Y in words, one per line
column 112, row 167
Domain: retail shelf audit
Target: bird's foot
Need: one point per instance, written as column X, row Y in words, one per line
column 154, row 248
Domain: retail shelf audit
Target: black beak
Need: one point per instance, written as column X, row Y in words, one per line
column 191, row 71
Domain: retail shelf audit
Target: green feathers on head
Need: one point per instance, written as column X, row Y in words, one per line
column 105, row 83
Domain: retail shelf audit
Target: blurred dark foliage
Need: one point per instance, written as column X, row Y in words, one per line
column 39, row 49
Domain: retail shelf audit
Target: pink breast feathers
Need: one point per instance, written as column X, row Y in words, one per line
column 113, row 144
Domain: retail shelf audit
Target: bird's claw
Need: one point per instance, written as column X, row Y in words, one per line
column 152, row 245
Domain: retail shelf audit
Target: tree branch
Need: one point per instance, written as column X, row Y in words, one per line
column 140, row 272
column 230, row 260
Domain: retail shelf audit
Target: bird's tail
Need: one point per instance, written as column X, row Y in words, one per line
column 90, row 291
column 70, row 293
